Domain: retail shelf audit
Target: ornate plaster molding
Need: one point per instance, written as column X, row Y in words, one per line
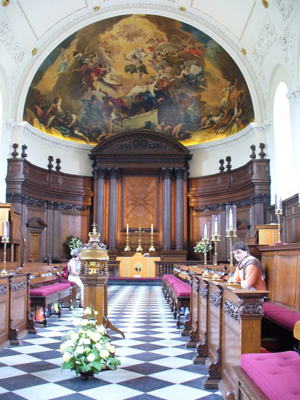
column 287, row 44
column 267, row 37
column 9, row 38
column 294, row 95
column 285, row 8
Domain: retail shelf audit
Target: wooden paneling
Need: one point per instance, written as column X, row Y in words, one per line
column 4, row 310
column 61, row 201
column 248, row 187
column 281, row 265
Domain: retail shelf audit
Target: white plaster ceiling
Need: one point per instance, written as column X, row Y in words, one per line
column 231, row 15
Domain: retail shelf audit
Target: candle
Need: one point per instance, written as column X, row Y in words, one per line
column 205, row 231
column 216, row 226
column 278, row 202
column 230, row 219
column 127, row 229
column 151, row 229
column 5, row 229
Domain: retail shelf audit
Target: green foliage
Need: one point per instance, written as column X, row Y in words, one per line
column 200, row 247
column 74, row 242
column 88, row 347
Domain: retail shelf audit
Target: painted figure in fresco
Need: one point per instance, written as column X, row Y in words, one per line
column 54, row 111
column 192, row 73
column 227, row 92
column 168, row 74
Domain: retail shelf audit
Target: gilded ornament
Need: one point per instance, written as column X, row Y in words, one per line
column 34, row 51
column 182, row 9
column 244, row 51
column 265, row 3
column 5, row 3
column 96, row 8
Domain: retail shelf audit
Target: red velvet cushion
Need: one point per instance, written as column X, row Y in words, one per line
column 46, row 290
column 182, row 289
column 276, row 374
column 271, row 307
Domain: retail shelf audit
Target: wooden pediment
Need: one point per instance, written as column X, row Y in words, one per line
column 140, row 146
column 242, row 224
column 37, row 223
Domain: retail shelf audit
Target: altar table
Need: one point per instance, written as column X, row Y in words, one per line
column 137, row 266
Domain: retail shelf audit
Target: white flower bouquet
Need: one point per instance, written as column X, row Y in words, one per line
column 87, row 348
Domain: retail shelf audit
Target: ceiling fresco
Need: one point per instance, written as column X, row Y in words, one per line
column 134, row 72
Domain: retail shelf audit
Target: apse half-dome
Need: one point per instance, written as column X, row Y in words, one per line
column 139, row 72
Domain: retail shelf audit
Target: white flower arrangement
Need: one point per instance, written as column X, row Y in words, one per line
column 88, row 347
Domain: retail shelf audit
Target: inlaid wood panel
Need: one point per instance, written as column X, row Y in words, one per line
column 140, row 198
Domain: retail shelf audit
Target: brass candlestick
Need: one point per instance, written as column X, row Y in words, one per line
column 205, row 242
column 139, row 249
column 151, row 248
column 278, row 212
column 230, row 234
column 4, row 240
column 215, row 238
column 127, row 248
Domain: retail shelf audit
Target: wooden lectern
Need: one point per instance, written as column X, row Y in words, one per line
column 266, row 234
column 94, row 275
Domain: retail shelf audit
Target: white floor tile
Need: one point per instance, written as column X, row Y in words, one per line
column 10, row 372
column 31, row 349
column 42, row 341
column 19, row 359
column 43, row 392
column 175, row 375
column 179, row 392
column 113, row 392
column 172, row 362
column 171, row 352
column 55, row 375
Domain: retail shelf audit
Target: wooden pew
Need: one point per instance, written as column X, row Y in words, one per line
column 16, row 319
column 264, row 370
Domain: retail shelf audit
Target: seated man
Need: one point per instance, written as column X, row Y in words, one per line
column 249, row 271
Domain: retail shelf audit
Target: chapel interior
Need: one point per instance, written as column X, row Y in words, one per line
column 159, row 134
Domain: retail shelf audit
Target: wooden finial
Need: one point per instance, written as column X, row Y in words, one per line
column 221, row 168
column 228, row 165
column 15, row 153
column 24, row 148
column 50, row 165
column 262, row 154
column 253, row 155
column 58, row 167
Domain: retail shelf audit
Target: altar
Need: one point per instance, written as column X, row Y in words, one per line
column 137, row 266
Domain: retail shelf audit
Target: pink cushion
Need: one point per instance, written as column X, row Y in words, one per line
column 182, row 289
column 49, row 289
column 276, row 374
column 281, row 315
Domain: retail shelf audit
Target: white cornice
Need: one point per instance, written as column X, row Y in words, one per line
column 249, row 131
column 45, row 138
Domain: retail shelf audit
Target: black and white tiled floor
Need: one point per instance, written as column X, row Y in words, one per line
column 155, row 364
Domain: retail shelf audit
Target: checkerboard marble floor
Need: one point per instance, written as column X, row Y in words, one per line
column 155, row 363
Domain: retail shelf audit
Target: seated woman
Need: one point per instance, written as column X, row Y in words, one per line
column 74, row 266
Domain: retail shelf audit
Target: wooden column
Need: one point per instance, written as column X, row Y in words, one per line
column 194, row 312
column 113, row 174
column 179, row 214
column 99, row 199
column 4, row 309
column 167, row 208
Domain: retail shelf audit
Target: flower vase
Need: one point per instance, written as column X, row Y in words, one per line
column 87, row 375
